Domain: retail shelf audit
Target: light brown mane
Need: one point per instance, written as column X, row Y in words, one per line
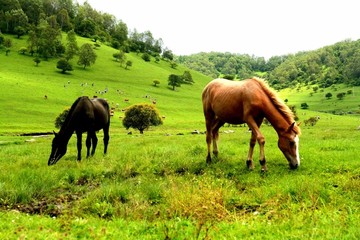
column 278, row 103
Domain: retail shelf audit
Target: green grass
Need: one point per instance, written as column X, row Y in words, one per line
column 157, row 185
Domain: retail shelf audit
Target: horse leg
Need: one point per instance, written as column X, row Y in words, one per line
column 79, row 145
column 256, row 136
column 249, row 161
column 106, row 137
column 94, row 143
column 215, row 135
column 208, row 139
column 88, row 144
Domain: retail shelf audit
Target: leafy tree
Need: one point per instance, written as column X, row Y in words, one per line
column 304, row 106
column 187, row 78
column 341, row 95
column 141, row 117
column 174, row 81
column 19, row 31
column 87, row 56
column 120, row 57
column 156, row 82
column 64, row 65
column 71, row 46
column 167, row 54
column 146, row 57
column 128, row 64
column 328, row 95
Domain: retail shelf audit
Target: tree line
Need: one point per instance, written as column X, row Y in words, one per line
column 334, row 64
column 46, row 19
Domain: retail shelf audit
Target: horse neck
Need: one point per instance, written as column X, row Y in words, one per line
column 274, row 116
column 68, row 128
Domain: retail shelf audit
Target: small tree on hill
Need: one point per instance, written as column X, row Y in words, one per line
column 87, row 56
column 328, row 95
column 64, row 65
column 141, row 117
column 174, row 81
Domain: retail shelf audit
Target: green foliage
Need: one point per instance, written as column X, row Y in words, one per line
column 340, row 96
column 60, row 119
column 174, row 81
column 304, row 105
column 64, row 65
column 156, row 82
column 146, row 57
column 87, row 56
column 328, row 95
column 141, row 117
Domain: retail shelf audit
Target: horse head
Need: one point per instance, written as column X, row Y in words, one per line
column 58, row 149
column 289, row 145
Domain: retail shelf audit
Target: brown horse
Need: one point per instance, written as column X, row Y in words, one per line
column 85, row 115
column 249, row 101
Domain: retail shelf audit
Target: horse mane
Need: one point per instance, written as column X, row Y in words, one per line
column 70, row 113
column 278, row 103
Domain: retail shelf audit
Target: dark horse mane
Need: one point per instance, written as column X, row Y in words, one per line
column 279, row 104
column 71, row 111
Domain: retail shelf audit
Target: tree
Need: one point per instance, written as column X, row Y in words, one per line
column 328, row 95
column 167, row 54
column 156, row 82
column 128, row 64
column 37, row 61
column 87, row 56
column 64, row 65
column 141, row 117
column 187, row 78
column 341, row 95
column 71, row 46
column 120, row 57
column 304, row 106
column 146, row 57
column 174, row 81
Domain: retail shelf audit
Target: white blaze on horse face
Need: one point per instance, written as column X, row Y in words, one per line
column 296, row 139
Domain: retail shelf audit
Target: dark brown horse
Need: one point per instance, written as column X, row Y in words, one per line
column 85, row 115
column 249, row 101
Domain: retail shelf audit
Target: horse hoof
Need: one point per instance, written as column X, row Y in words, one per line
column 250, row 165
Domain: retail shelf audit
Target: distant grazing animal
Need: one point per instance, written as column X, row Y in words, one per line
column 85, row 115
column 249, row 101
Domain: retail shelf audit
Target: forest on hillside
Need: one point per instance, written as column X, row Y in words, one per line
column 334, row 64
column 44, row 21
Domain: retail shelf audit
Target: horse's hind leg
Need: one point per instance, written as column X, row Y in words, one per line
column 215, row 134
column 88, row 144
column 94, row 143
column 106, row 137
column 208, row 140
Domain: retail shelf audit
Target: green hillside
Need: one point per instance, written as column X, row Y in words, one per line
column 24, row 108
column 24, row 86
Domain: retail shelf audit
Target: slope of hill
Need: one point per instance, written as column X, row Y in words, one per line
column 24, row 86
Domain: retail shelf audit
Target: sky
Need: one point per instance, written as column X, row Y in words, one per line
column 262, row 28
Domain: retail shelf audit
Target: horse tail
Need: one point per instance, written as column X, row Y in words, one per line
column 278, row 103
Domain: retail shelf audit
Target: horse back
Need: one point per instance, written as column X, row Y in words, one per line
column 231, row 101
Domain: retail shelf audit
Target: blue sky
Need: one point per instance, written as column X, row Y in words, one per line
column 263, row 28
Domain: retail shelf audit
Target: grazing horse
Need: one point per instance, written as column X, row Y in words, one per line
column 85, row 115
column 249, row 101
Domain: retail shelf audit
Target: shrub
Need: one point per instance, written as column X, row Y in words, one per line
column 141, row 117
column 59, row 121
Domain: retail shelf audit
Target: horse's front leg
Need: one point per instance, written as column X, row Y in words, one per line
column 79, row 144
column 249, row 161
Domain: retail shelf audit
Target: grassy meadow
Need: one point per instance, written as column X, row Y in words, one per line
column 157, row 185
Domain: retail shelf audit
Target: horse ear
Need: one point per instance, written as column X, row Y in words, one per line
column 291, row 127
column 55, row 133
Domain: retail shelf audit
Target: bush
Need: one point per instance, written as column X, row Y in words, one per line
column 141, row 117
column 59, row 121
